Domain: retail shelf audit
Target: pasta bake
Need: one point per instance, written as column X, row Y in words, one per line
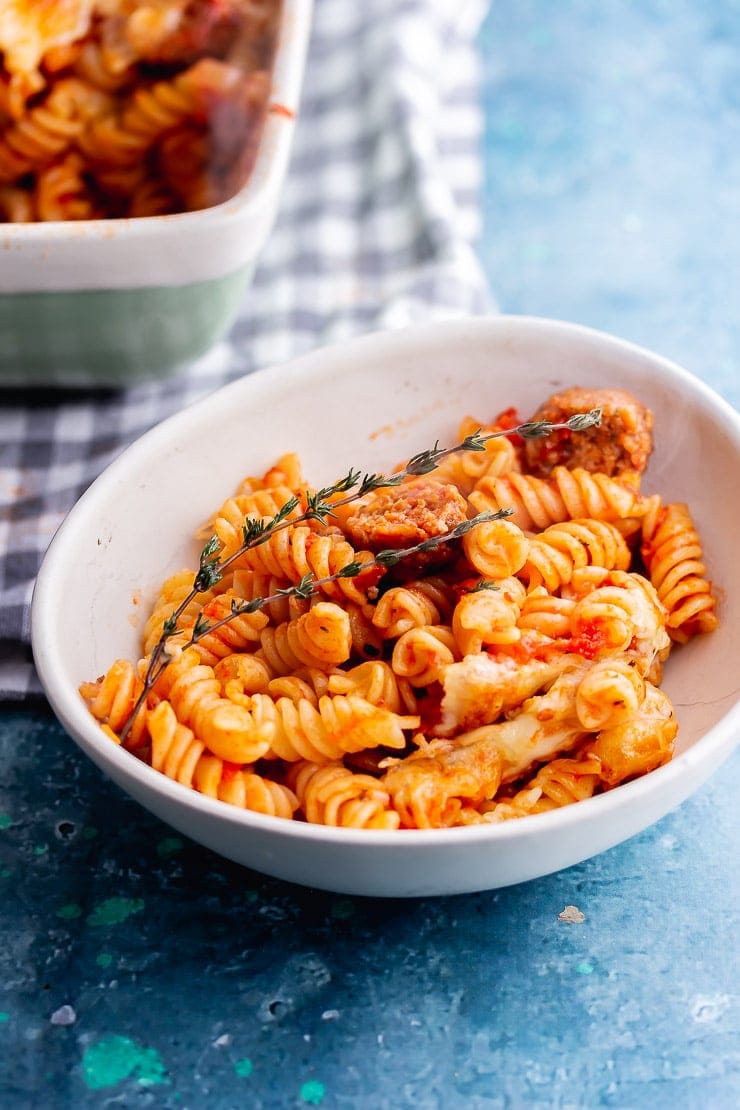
column 117, row 108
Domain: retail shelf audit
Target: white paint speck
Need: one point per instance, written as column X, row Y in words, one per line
column 709, row 1007
column 65, row 1015
column 223, row 1041
column 330, row 1015
column 572, row 915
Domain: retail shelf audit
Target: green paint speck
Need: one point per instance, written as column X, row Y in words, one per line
column 89, row 832
column 41, row 849
column 70, row 911
column 104, row 959
column 115, row 1058
column 4, row 1016
column 115, row 910
column 585, row 968
column 342, row 909
column 243, row 1067
column 4, row 873
column 5, row 821
column 313, row 1092
column 251, row 895
column 169, row 846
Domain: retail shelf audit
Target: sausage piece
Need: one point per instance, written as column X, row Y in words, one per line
column 406, row 515
column 619, row 447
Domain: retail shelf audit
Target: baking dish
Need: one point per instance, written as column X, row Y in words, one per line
column 108, row 302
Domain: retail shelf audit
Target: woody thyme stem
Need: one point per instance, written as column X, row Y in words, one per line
column 256, row 531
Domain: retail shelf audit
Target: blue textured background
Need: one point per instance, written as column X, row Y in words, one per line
column 612, row 198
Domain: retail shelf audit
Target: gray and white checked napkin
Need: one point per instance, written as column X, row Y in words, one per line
column 375, row 231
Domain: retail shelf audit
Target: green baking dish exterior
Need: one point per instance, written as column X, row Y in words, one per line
column 113, row 337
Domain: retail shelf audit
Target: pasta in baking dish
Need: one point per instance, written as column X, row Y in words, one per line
column 394, row 661
column 112, row 108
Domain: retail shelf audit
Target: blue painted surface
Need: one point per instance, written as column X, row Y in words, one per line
column 137, row 969
column 613, row 171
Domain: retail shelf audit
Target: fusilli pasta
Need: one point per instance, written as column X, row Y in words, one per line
column 516, row 674
column 160, row 105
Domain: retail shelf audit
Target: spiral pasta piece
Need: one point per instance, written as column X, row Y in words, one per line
column 488, row 616
column 376, row 682
column 330, row 794
column 640, row 743
column 228, row 522
column 111, row 700
column 292, row 686
column 625, row 614
column 612, row 691
column 565, row 495
column 562, row 548
column 337, row 726
column 243, row 788
column 151, row 197
column 367, row 640
column 243, row 673
column 237, row 635
column 173, row 593
column 466, row 468
column 50, row 128
column 402, row 608
column 319, row 638
column 251, row 584
column 227, row 729
column 16, row 205
column 546, row 613
column 297, row 551
column 150, row 111
column 422, row 655
column 94, row 64
column 286, row 471
column 496, row 548
column 174, row 749
column 672, row 552
column 61, row 192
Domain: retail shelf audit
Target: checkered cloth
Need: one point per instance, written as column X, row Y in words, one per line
column 375, row 230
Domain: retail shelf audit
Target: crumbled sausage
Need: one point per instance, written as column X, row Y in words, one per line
column 619, row 447
column 406, row 515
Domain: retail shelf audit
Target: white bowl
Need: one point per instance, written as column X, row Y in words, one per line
column 371, row 403
column 109, row 302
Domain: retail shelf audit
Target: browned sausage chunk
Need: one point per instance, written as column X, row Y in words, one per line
column 619, row 447
column 406, row 515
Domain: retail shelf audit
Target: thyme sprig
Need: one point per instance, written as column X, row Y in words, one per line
column 320, row 505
